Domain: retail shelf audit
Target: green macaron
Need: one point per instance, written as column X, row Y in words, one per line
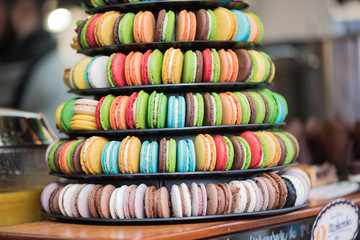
column 255, row 67
column 83, row 39
column 126, row 27
column 98, row 3
column 218, row 108
column 267, row 66
column 216, row 64
column 155, row 67
column 231, row 153
column 295, row 144
column 290, row 151
column 157, row 108
column 245, row 107
column 171, row 151
column 141, row 110
column 67, row 113
column 51, row 163
column 259, row 106
column 170, row 26
column 267, row 94
column 189, row 67
column 265, row 150
column 213, row 25
column 105, row 112
column 200, row 112
column 108, row 70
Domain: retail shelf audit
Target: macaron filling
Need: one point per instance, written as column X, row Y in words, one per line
column 167, row 156
column 187, row 158
column 166, row 19
column 126, row 152
column 188, row 26
column 212, row 67
column 214, row 109
column 195, row 110
column 245, row 154
column 156, row 105
column 117, row 122
column 234, row 107
column 209, row 154
column 195, row 66
column 210, row 25
column 108, row 156
column 231, row 66
column 148, row 68
column 134, row 109
column 119, row 30
column 176, row 115
column 139, row 26
column 147, row 158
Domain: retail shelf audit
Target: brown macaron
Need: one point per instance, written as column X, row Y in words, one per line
column 75, row 158
column 102, row 200
column 267, row 109
column 116, row 28
column 283, row 150
column 92, row 199
column 228, row 197
column 162, row 201
column 245, row 65
column 162, row 155
column 239, row 153
column 149, row 202
column 282, row 188
column 57, row 156
column 54, row 201
column 252, row 108
column 276, row 194
column 189, row 109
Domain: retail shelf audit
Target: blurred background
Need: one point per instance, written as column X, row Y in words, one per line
column 315, row 46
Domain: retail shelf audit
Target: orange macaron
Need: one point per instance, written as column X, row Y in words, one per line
column 144, row 27
column 229, row 65
column 185, row 26
column 231, row 109
column 118, row 113
column 133, row 68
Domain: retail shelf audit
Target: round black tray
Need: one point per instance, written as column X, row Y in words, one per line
column 171, row 88
column 222, row 129
column 175, row 175
column 197, row 45
column 169, row 5
column 173, row 220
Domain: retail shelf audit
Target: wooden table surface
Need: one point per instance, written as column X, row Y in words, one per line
column 57, row 230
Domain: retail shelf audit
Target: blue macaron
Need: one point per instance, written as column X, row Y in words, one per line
column 176, row 112
column 185, row 160
column 87, row 71
column 109, row 157
column 244, row 26
column 282, row 107
column 149, row 157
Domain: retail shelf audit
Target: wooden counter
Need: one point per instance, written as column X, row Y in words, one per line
column 57, row 230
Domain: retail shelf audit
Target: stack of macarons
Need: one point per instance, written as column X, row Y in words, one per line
column 172, row 67
column 267, row 191
column 157, row 110
column 113, row 27
column 98, row 155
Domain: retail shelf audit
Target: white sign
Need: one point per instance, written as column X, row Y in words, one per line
column 339, row 220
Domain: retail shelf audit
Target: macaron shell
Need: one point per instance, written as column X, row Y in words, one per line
column 246, row 65
column 118, row 69
column 144, row 27
column 67, row 113
column 226, row 29
column 155, row 67
column 221, row 153
column 244, row 106
column 259, row 73
column 255, row 147
column 90, row 30
column 254, row 28
column 265, row 150
column 185, row 29
column 105, row 26
column 244, row 27
column 93, row 155
column 289, row 147
column 134, row 154
column 126, row 29
column 96, row 71
column 129, row 111
column 78, row 74
column 259, row 106
column 141, row 110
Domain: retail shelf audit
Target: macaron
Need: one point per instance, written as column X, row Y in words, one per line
column 84, row 106
column 124, row 29
column 212, row 66
column 265, row 156
column 90, row 156
column 269, row 99
column 161, row 202
column 81, row 201
column 109, row 157
column 95, row 73
column 272, row 147
column 92, row 201
column 244, row 106
column 231, row 109
column 83, row 122
column 118, row 113
column 185, row 160
column 291, row 197
column 139, row 201
column 71, row 151
column 295, row 144
column 289, row 148
column 259, row 199
column 102, row 200
column 229, row 65
column 151, row 67
column 185, row 29
column 149, row 201
column 243, row 24
column 115, row 70
column 283, row 191
column 240, row 196
column 90, row 37
column 54, row 200
column 104, row 28
column 250, row 206
column 82, row 34
column 133, row 63
column 149, row 157
column 68, row 78
column 144, row 30
column 130, row 113
column 75, row 158
column 97, row 3
column 246, row 65
column 255, row 147
column 212, row 109
column 224, row 153
column 67, row 112
column 180, row 200
column 63, row 158
column 264, row 192
column 129, row 202
column 242, row 153
column 206, row 25
column 227, row 25
column 198, row 199
column 140, row 110
column 193, row 67
column 172, row 66
column 260, row 67
column 58, row 117
column 117, row 201
column 165, row 26
column 299, row 189
column 157, row 109
column 78, row 74
column 282, row 107
column 176, row 112
column 205, row 150
column 67, row 199
column 129, row 155
column 102, row 113
column 216, row 200
column 45, row 196
column 194, row 110
column 55, row 162
column 260, row 108
column 257, row 28
column 167, row 155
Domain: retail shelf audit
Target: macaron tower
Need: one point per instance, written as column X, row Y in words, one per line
column 180, row 117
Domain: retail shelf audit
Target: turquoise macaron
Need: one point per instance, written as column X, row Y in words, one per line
column 176, row 112
column 244, row 27
column 186, row 158
column 109, row 157
column 149, row 157
column 282, row 107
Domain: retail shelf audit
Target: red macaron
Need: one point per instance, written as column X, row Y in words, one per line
column 118, row 69
column 255, row 147
column 144, row 67
column 130, row 111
